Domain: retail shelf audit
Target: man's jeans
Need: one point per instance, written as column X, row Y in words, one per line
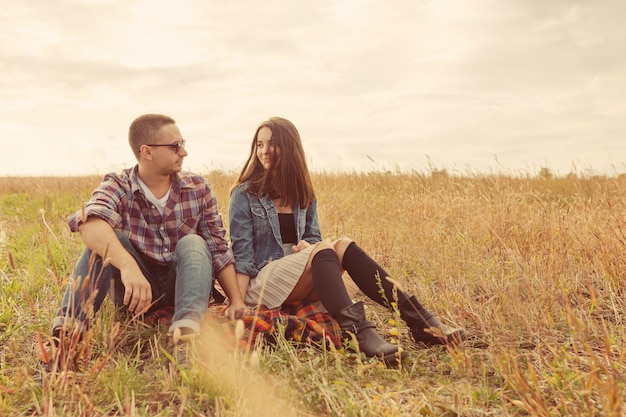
column 186, row 284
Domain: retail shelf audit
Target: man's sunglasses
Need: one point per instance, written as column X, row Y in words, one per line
column 176, row 145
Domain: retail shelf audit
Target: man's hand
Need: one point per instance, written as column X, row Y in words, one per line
column 229, row 280
column 138, row 293
column 236, row 311
column 100, row 238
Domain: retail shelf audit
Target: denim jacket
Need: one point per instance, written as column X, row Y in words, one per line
column 255, row 230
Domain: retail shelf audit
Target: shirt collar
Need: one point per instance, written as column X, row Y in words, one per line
column 179, row 181
column 134, row 179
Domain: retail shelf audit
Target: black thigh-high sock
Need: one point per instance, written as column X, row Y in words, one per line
column 327, row 281
column 369, row 276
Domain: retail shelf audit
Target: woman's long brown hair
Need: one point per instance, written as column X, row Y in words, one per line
column 288, row 177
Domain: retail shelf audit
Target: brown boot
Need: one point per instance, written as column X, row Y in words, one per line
column 351, row 319
column 426, row 328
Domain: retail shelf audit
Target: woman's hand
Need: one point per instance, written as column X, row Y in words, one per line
column 303, row 244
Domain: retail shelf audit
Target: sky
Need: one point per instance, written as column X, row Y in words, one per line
column 472, row 87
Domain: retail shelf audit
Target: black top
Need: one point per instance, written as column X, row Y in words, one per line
column 287, row 228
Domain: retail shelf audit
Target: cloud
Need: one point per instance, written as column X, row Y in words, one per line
column 404, row 84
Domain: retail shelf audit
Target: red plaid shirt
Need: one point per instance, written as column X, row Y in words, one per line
column 190, row 209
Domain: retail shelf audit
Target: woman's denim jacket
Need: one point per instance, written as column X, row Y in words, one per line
column 255, row 229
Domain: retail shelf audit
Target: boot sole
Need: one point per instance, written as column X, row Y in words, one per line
column 393, row 358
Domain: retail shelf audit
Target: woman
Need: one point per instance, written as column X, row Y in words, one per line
column 280, row 256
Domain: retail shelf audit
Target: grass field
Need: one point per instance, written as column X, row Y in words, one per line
column 532, row 267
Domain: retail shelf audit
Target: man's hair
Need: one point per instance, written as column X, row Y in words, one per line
column 146, row 129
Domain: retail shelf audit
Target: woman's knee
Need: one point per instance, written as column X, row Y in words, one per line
column 320, row 247
column 340, row 245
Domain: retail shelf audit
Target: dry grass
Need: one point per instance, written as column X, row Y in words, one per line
column 532, row 267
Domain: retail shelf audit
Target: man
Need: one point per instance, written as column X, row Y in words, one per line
column 160, row 235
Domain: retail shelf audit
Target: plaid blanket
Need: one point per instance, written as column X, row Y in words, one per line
column 298, row 322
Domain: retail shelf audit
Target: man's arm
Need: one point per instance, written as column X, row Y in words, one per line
column 99, row 236
column 228, row 280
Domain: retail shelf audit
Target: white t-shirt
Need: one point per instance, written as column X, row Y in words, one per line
column 159, row 203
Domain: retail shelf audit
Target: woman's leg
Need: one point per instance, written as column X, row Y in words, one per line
column 327, row 283
column 303, row 290
column 370, row 277
column 367, row 274
column 323, row 260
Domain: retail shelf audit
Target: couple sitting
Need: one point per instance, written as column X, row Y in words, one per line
column 162, row 240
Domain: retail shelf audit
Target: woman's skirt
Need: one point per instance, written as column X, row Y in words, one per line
column 276, row 280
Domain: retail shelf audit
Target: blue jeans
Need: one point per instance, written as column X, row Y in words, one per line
column 186, row 284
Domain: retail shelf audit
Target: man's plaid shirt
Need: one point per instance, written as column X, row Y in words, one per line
column 190, row 209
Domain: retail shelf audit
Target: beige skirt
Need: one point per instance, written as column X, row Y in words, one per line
column 276, row 280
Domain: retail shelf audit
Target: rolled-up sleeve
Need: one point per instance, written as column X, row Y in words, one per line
column 104, row 204
column 214, row 233
column 242, row 233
